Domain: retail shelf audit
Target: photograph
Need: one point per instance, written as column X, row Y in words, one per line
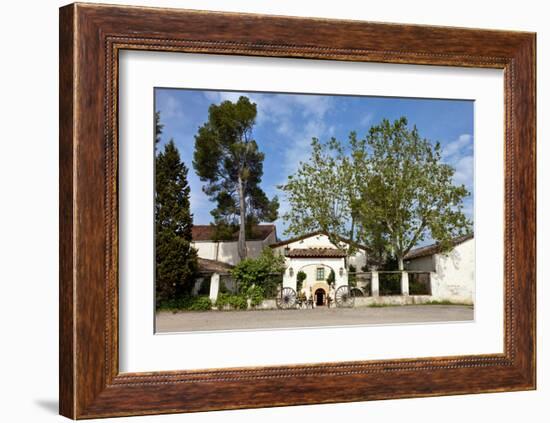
column 275, row 211
column 304, row 210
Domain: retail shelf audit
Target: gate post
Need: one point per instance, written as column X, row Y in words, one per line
column 214, row 287
column 374, row 284
column 404, row 283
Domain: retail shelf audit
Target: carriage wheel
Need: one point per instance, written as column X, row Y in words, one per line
column 344, row 297
column 286, row 298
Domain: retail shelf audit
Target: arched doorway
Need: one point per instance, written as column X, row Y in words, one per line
column 320, row 297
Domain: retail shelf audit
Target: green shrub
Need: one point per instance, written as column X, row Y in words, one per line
column 222, row 300
column 257, row 278
column 271, row 285
column 256, row 295
column 223, row 288
column 331, row 277
column 257, row 271
column 300, row 278
column 180, row 303
column 200, row 304
column 237, row 302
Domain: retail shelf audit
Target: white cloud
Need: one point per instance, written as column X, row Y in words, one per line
column 366, row 120
column 312, row 105
column 468, row 204
column 464, row 171
column 459, row 154
column 299, row 150
column 219, row 96
column 281, row 111
column 297, row 118
column 200, row 203
column 275, row 108
column 284, row 128
column 170, row 108
column 456, row 147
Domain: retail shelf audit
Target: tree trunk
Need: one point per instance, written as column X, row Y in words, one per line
column 242, row 224
column 400, row 263
column 350, row 245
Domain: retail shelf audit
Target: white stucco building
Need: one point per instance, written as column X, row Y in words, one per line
column 452, row 274
column 217, row 258
column 448, row 276
column 316, row 256
column 227, row 251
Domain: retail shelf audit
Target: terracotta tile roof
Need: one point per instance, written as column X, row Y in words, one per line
column 301, row 237
column 315, row 252
column 213, row 266
column 429, row 250
column 206, row 232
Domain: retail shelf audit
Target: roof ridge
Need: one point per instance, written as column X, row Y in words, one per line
column 436, row 246
column 259, row 232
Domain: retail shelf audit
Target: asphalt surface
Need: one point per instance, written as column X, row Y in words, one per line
column 322, row 316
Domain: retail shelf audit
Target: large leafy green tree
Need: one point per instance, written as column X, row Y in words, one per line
column 227, row 158
column 322, row 194
column 388, row 191
column 407, row 192
column 176, row 259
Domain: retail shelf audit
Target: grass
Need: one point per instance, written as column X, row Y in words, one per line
column 186, row 303
column 447, row 302
column 434, row 302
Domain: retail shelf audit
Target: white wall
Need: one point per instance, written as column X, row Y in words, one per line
column 322, row 241
column 454, row 277
column 226, row 251
column 309, row 267
column 28, row 170
column 316, row 241
column 271, row 239
column 452, row 274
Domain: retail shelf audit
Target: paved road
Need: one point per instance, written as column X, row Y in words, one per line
column 270, row 319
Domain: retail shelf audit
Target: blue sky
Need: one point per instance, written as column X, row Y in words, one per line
column 286, row 123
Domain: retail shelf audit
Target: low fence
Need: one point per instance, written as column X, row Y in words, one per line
column 390, row 283
column 360, row 283
column 390, row 300
column 227, row 284
column 420, row 283
column 389, row 286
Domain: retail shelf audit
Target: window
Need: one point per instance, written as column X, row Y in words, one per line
column 320, row 273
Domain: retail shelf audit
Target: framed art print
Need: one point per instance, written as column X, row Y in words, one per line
column 263, row 211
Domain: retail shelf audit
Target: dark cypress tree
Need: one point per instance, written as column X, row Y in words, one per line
column 158, row 128
column 176, row 259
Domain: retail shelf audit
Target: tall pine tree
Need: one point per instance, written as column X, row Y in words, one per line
column 228, row 158
column 176, row 259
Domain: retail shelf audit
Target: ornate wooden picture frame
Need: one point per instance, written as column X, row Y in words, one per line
column 91, row 37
